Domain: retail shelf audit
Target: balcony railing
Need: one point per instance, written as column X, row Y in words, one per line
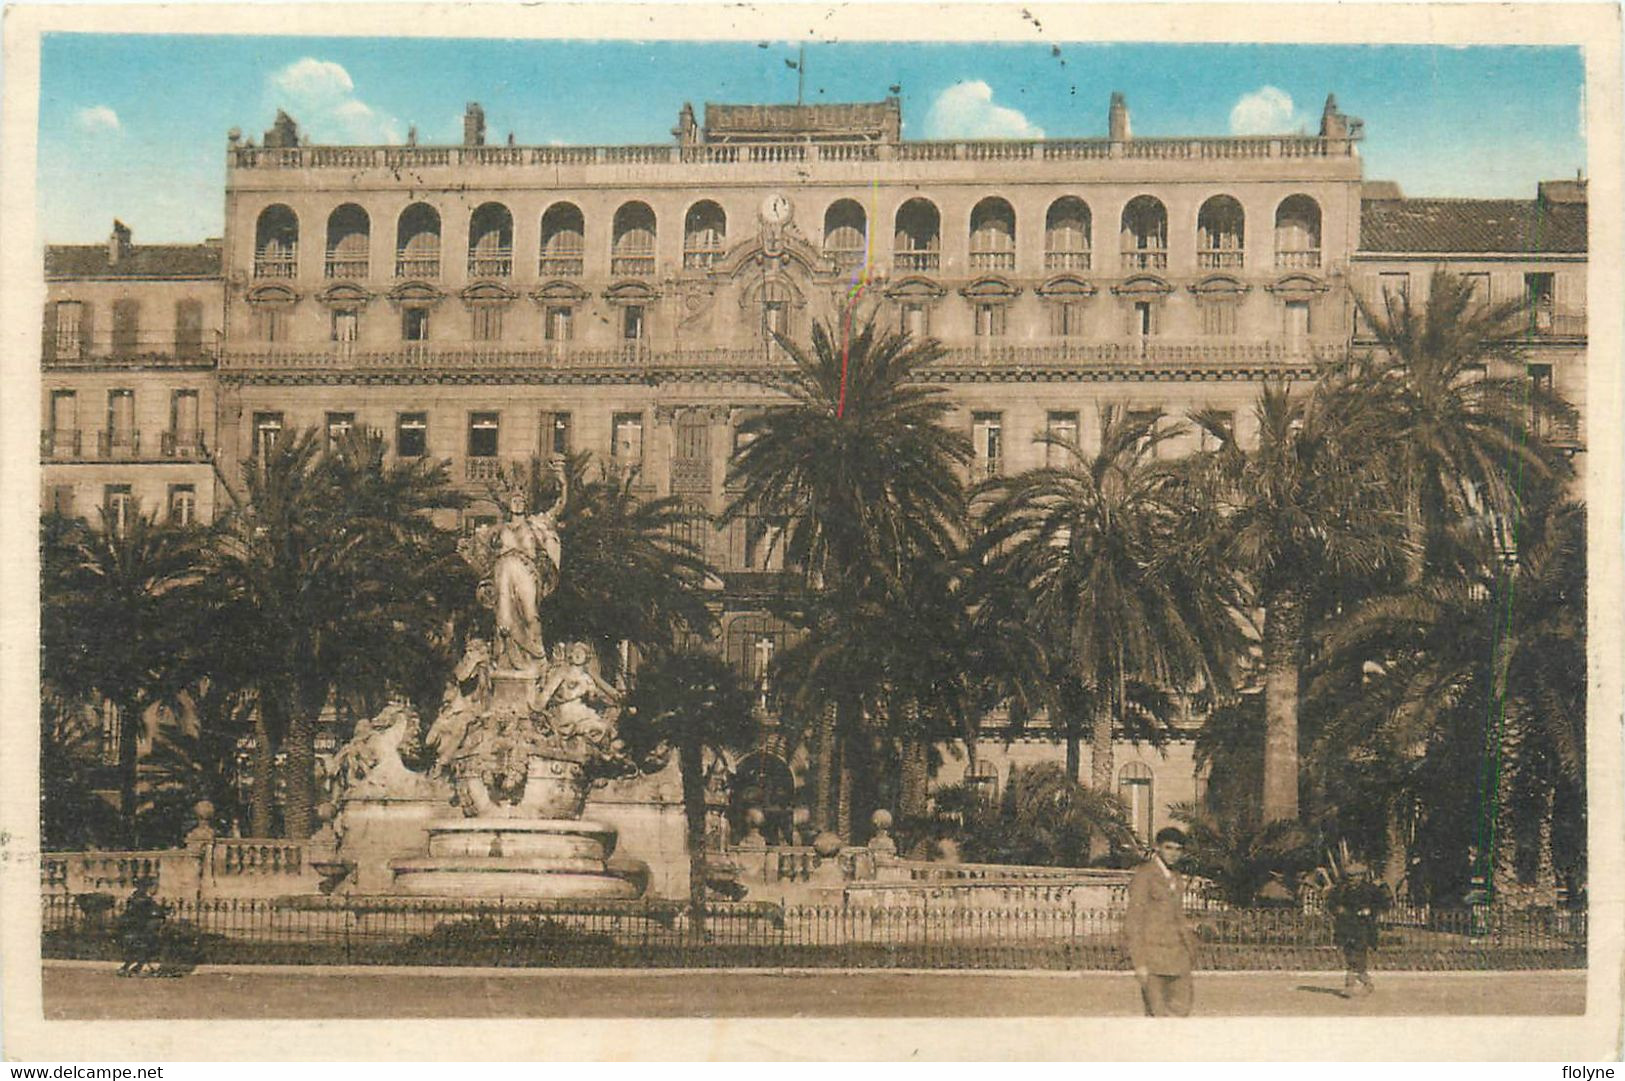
column 1145, row 258
column 1556, row 323
column 788, row 153
column 561, row 266
column 1299, row 259
column 846, row 258
column 993, row 260
column 702, row 257
column 632, row 266
column 1066, row 260
column 184, row 444
column 346, row 266
column 418, row 264
column 60, row 443
column 495, row 263
column 917, row 260
column 1219, row 260
column 118, row 445
column 277, row 263
column 148, row 351
column 482, row 468
column 1070, row 352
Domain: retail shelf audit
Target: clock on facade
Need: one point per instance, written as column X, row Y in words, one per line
column 776, row 209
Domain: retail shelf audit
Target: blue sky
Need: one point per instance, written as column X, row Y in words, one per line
column 135, row 126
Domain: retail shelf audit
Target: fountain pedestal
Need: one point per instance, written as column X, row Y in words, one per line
column 516, row 857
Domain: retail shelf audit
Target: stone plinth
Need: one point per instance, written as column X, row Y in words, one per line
column 375, row 831
column 517, row 857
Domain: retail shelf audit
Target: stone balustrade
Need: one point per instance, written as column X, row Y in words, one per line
column 788, row 152
column 218, row 868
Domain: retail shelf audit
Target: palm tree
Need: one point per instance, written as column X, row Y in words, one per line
column 116, row 621
column 1241, row 855
column 1457, row 432
column 692, row 702
column 1090, row 546
column 1298, row 514
column 861, row 468
column 1470, row 690
column 1045, row 818
column 340, row 588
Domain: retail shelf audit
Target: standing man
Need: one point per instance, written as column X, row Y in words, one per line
column 1355, row 904
column 1160, row 943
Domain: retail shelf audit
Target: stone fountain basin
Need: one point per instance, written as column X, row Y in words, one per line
column 553, row 838
column 517, row 857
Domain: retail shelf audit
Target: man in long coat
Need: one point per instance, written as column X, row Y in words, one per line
column 1161, row 944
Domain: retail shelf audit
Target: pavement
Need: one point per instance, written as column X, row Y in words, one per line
column 85, row 990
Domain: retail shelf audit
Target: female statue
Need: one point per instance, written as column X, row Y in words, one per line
column 566, row 692
column 523, row 574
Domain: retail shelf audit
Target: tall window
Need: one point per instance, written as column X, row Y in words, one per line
column 1060, row 425
column 271, row 322
column 633, row 323
column 1066, row 318
column 563, row 241
column 188, row 329
column 487, row 322
column 633, row 252
column 1143, row 319
column 915, row 322
column 990, row 320
column 120, row 503
column 1540, row 294
column 267, row 430
column 346, row 325
column 1219, row 318
column 121, row 419
column 556, row 323
column 555, row 433
column 627, row 449
column 1478, row 284
column 412, row 435
column 704, row 231
column 993, row 235
column 415, row 324
column 126, row 327
column 987, row 434
column 339, row 425
column 918, row 241
column 182, row 504
column 482, row 434
column 64, row 414
column 186, row 430
column 1134, row 789
column 1540, row 381
column 70, row 344
column 1066, row 235
column 1297, row 324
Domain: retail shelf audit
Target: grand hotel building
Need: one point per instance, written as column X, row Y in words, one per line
column 483, row 303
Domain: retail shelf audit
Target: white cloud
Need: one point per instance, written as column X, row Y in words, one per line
column 96, row 118
column 1266, row 111
column 966, row 111
column 321, row 96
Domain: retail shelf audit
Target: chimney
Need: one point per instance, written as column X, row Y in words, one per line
column 473, row 125
column 1117, row 121
column 687, row 130
column 118, row 243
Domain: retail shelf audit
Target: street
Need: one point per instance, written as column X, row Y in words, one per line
column 89, row 990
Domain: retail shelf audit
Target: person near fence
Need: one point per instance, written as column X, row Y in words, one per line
column 1161, row 944
column 140, row 929
column 1355, row 903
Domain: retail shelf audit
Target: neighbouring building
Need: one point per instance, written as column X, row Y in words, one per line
column 487, row 303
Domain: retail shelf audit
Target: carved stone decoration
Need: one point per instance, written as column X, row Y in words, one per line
column 370, row 765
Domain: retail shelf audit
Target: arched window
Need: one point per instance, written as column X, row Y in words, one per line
column 846, row 233
column 1066, row 235
column 993, row 235
column 1297, row 233
column 564, row 243
column 348, row 235
column 1221, row 234
column 417, row 242
column 490, row 242
column 632, row 253
column 1145, row 234
column 276, row 243
column 705, row 229
column 919, row 236
column 777, row 301
column 1134, row 789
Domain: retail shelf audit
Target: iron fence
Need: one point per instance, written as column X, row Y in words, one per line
column 660, row 935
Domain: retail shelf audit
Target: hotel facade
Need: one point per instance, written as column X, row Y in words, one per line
column 488, row 302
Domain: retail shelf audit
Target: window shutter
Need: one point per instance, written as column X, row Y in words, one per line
column 87, row 328
column 48, row 334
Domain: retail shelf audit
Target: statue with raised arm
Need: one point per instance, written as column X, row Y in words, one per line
column 525, row 556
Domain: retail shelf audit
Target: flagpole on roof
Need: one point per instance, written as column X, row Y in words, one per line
column 801, row 73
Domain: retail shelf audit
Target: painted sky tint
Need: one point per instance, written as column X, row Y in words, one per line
column 135, row 126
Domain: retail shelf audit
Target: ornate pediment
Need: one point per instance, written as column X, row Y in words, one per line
column 344, row 295
column 1219, row 287
column 559, row 292
column 631, row 292
column 1143, row 287
column 778, row 252
column 488, row 292
column 1066, row 287
column 1298, row 287
column 991, row 287
column 781, row 287
column 415, row 292
column 914, row 288
column 272, row 294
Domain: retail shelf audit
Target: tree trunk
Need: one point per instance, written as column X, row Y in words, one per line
column 916, row 769
column 262, row 793
column 1101, row 756
column 1074, row 751
column 1283, row 644
column 129, row 765
column 843, row 797
column 690, row 764
column 297, row 813
column 1415, row 533
column 823, row 769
